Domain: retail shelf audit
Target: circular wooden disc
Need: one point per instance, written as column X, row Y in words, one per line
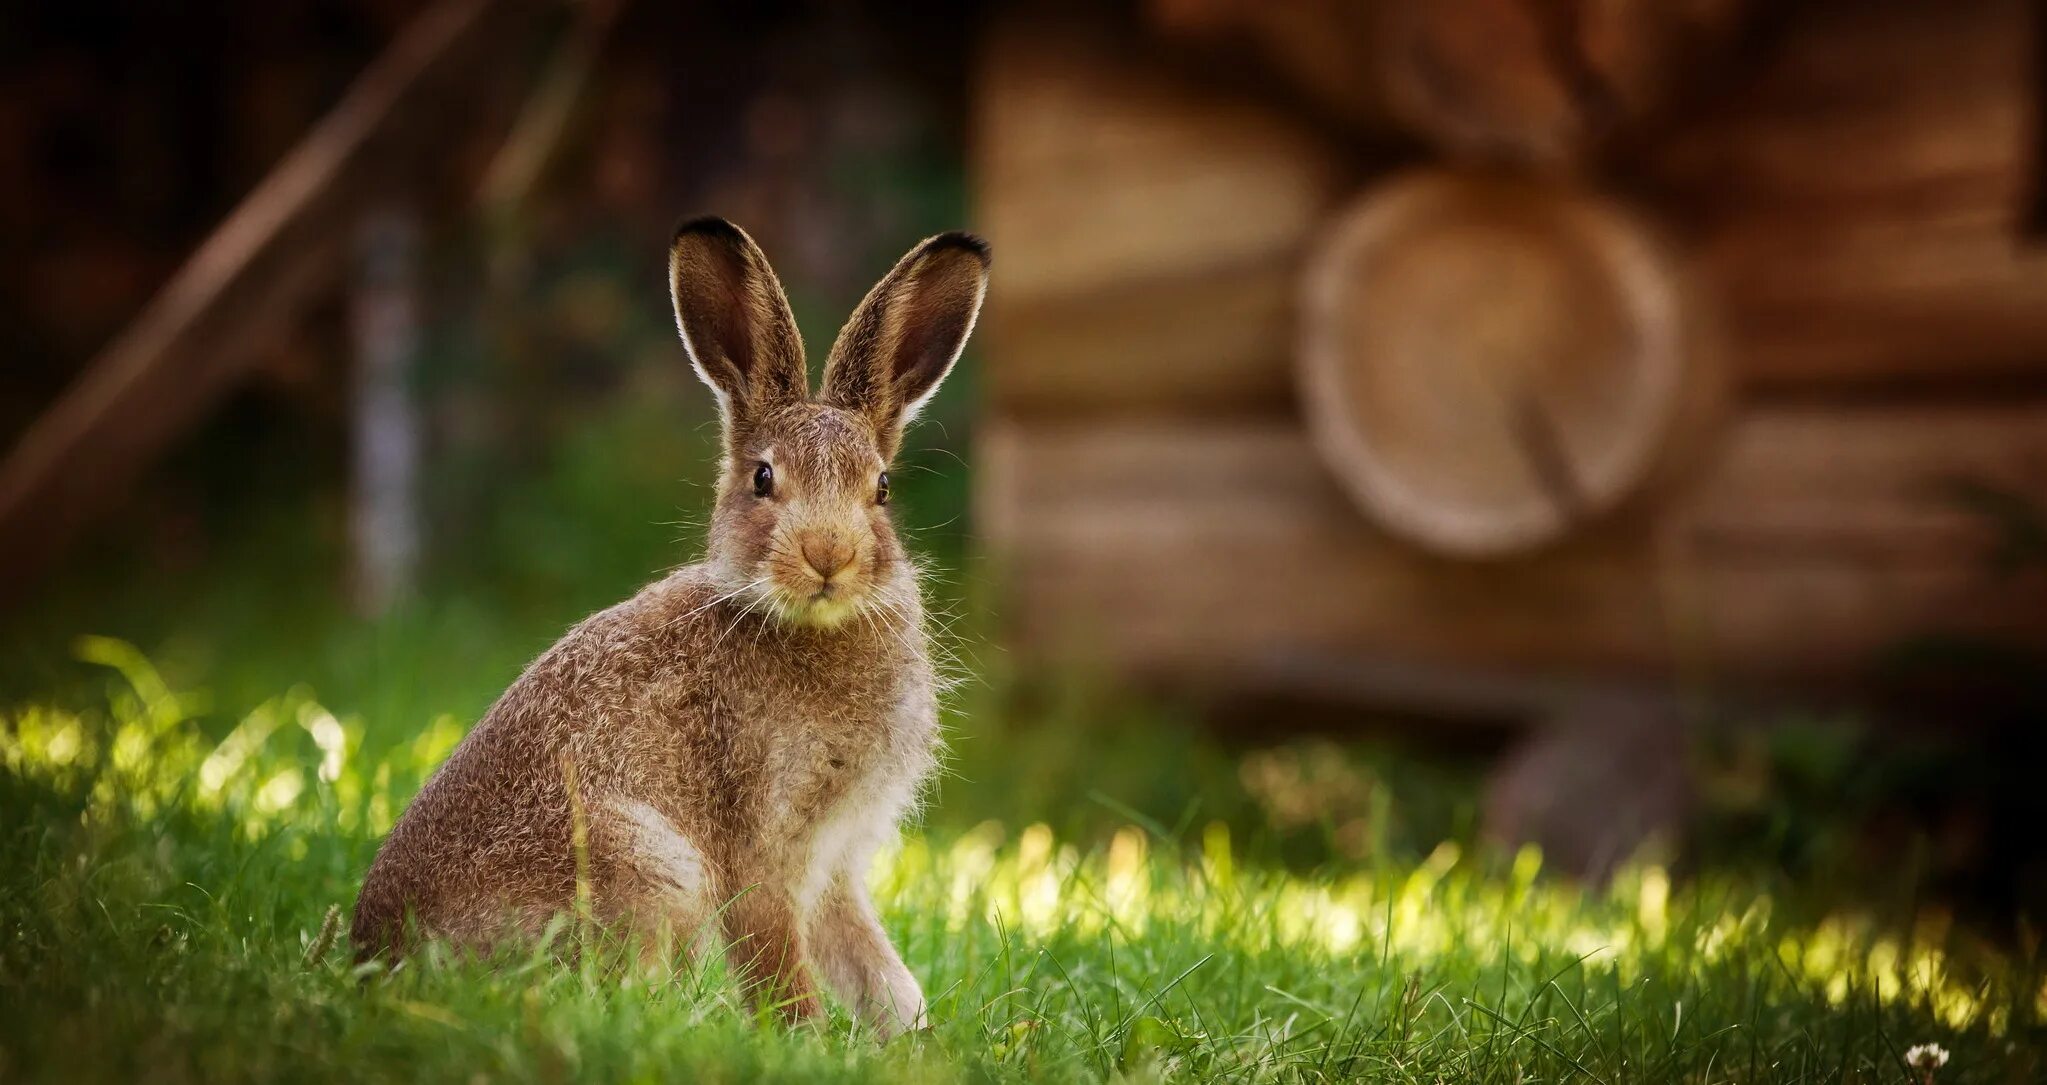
column 1487, row 362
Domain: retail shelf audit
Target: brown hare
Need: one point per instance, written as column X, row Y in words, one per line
column 723, row 753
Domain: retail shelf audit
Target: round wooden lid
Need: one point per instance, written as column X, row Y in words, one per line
column 1486, row 362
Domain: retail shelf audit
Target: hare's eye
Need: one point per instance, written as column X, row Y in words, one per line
column 763, row 480
column 881, row 489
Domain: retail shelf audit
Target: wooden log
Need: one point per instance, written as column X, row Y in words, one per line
column 1488, row 363
column 1140, row 216
column 1820, row 536
column 282, row 243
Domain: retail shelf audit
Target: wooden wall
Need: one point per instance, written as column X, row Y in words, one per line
column 1847, row 202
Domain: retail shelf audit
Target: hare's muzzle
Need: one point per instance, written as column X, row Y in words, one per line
column 827, row 581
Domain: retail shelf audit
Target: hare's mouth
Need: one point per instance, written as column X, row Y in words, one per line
column 826, row 607
column 821, row 606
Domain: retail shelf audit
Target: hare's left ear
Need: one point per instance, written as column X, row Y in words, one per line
column 904, row 338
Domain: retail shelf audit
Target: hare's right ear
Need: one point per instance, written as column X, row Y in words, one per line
column 735, row 323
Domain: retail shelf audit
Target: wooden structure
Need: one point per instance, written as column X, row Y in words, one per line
column 1673, row 349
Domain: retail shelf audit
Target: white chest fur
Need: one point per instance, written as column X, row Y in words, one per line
column 867, row 815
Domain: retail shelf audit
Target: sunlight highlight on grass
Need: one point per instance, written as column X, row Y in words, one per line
column 1145, row 956
column 1437, row 911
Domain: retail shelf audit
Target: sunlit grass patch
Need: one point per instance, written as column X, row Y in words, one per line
column 168, row 896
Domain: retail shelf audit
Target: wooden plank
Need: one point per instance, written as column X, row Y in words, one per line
column 1212, row 342
column 280, row 245
column 1819, row 537
column 1857, row 202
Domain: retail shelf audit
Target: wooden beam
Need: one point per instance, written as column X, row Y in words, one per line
column 281, row 244
column 1820, row 535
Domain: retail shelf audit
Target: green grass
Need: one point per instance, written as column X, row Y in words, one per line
column 171, row 887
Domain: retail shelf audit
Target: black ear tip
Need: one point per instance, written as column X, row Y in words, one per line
column 708, row 226
column 958, row 241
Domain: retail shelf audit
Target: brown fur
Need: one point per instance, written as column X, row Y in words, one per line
column 733, row 743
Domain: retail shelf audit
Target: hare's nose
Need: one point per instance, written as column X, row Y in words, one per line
column 827, row 557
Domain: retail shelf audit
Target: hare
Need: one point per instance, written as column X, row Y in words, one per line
column 723, row 753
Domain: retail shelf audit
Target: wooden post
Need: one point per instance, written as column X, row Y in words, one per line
column 384, row 328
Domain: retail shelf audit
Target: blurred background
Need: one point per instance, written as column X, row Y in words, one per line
column 1615, row 425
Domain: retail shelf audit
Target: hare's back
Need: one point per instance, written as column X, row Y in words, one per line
column 489, row 834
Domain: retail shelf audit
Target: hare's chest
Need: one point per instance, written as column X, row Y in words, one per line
column 856, row 754
column 850, row 785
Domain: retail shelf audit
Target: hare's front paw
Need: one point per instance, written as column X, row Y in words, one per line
column 898, row 1006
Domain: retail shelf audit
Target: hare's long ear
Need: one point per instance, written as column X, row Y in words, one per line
column 905, row 336
column 735, row 323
